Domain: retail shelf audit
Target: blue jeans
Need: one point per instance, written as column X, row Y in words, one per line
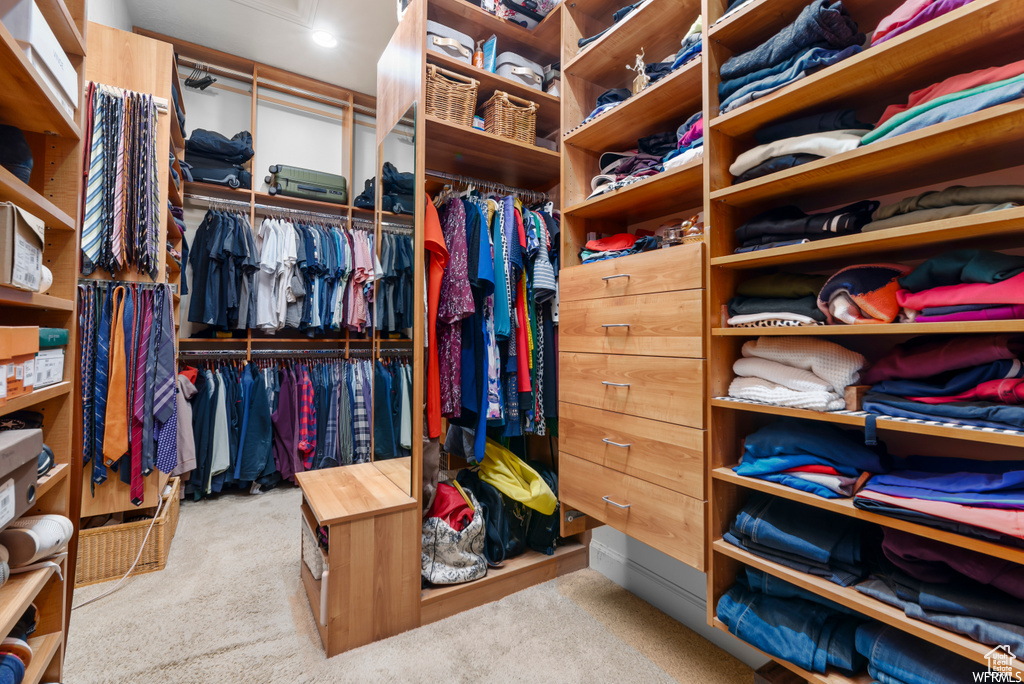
column 896, row 656
column 789, row 443
column 799, row 631
column 810, row 61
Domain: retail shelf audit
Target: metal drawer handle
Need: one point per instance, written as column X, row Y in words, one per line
column 615, row 384
column 617, row 505
column 619, row 275
column 615, row 325
column 608, row 441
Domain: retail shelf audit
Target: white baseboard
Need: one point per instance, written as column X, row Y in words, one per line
column 668, row 596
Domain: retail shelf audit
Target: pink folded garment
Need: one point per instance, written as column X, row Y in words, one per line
column 903, row 14
column 1003, row 391
column 1011, row 312
column 1009, row 291
column 925, row 356
column 1003, row 520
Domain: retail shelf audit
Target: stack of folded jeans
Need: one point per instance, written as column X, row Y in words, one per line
column 964, row 285
column 789, row 225
column 950, row 99
column 935, row 205
column 862, row 294
column 824, row 544
column 983, row 499
column 895, row 657
column 812, row 457
column 973, row 381
column 791, row 623
column 912, row 14
column 777, row 300
column 800, row 372
column 821, row 35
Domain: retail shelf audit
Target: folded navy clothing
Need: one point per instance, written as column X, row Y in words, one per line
column 952, row 383
column 776, row 164
column 900, row 513
column 805, row 306
column 983, row 414
column 794, row 628
column 772, row 245
column 789, row 443
column 791, row 221
column 895, row 657
column 842, row 119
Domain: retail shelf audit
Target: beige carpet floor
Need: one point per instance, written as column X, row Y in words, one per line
column 229, row 607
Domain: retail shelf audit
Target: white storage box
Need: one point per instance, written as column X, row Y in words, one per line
column 449, row 42
column 49, row 367
column 519, row 69
column 27, row 25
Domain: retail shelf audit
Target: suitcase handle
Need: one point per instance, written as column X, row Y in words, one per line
column 451, row 42
column 310, row 188
column 529, row 73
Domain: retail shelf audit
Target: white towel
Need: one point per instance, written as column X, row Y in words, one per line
column 766, row 392
column 836, row 365
column 773, row 371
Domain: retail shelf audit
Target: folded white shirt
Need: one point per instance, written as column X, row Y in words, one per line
column 824, row 144
column 748, row 319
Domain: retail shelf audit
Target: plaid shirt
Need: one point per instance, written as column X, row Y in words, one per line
column 307, row 419
column 361, row 430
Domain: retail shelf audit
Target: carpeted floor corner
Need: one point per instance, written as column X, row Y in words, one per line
column 229, row 607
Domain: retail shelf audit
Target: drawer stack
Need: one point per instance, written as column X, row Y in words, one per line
column 631, row 397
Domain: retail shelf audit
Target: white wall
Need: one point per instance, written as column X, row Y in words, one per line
column 110, row 13
column 672, row 587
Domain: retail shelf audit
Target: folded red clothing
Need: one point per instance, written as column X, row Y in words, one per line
column 613, row 243
column 822, row 469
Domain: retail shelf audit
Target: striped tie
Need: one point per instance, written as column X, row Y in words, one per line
column 95, row 187
column 86, row 333
column 118, row 232
column 163, row 396
column 141, row 343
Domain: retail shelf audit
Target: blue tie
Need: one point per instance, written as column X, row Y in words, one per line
column 99, row 470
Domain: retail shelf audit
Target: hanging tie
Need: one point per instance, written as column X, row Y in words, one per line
column 115, row 437
column 92, row 226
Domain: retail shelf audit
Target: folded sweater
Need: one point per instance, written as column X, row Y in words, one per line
column 825, row 144
column 831, row 362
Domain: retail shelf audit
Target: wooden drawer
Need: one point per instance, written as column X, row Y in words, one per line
column 663, row 270
column 668, row 455
column 669, row 521
column 665, row 324
column 666, row 389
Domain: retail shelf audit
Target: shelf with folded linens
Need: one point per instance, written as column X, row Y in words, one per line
column 980, row 142
column 657, row 27
column 847, row 508
column 977, row 327
column 866, row 606
column 670, row 99
column 651, row 197
column 947, row 45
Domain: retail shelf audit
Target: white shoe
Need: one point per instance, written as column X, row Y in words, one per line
column 32, row 538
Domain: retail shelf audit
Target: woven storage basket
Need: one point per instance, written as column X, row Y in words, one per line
column 511, row 117
column 106, row 553
column 451, row 96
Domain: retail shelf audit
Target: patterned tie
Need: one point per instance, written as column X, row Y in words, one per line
column 92, row 227
column 115, row 438
column 145, row 313
column 86, row 333
column 167, row 442
column 163, row 395
column 118, row 230
column 99, row 468
column 154, row 210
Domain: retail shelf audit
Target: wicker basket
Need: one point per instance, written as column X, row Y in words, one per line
column 106, row 553
column 451, row 96
column 511, row 117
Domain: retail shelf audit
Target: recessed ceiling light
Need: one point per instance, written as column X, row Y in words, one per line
column 324, row 39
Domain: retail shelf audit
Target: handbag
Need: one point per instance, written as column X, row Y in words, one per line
column 452, row 556
column 542, row 532
column 505, row 520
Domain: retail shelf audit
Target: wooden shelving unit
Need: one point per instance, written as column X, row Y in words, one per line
column 53, row 195
column 978, row 35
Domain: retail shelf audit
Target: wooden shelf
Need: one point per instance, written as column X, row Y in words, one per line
column 831, row 677
column 677, row 189
column 173, row 191
column 916, row 241
column 217, row 191
column 663, row 105
column 17, row 593
column 863, row 604
column 549, row 112
column 25, row 100
column 657, row 27
column 13, row 190
column 177, row 140
column 466, row 151
column 51, row 479
column 846, row 507
column 937, row 328
column 516, row 574
column 37, row 397
column 541, row 45
column 980, row 142
column 937, row 429
column 887, row 72
column 300, row 204
column 60, row 21
column 386, row 216
column 10, row 296
column 43, row 650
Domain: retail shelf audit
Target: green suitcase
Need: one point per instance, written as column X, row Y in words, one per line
column 292, row 181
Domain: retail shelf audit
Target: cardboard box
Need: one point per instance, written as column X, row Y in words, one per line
column 49, row 367
column 28, row 26
column 19, row 458
column 19, row 344
column 21, row 248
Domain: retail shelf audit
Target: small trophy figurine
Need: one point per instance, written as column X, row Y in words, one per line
column 642, row 80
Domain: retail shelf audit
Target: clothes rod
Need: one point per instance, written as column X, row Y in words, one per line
column 265, row 207
column 101, row 281
column 494, row 185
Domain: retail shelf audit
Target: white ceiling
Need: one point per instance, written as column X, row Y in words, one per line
column 277, row 32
